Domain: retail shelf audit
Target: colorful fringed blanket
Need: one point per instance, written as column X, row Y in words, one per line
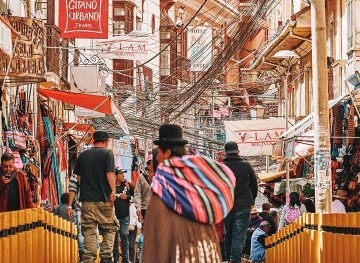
column 195, row 187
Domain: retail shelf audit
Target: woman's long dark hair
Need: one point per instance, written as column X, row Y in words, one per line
column 154, row 161
column 294, row 199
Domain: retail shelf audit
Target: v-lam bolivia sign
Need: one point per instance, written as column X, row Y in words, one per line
column 83, row 18
column 124, row 47
column 255, row 137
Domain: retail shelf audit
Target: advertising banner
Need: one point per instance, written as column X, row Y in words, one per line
column 255, row 137
column 124, row 47
column 83, row 18
column 199, row 47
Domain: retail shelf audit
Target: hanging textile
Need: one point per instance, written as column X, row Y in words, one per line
column 351, row 125
column 54, row 160
column 338, row 125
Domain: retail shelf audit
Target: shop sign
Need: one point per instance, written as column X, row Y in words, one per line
column 5, row 38
column 124, row 47
column 83, row 18
column 28, row 60
column 200, row 47
column 85, row 79
column 255, row 137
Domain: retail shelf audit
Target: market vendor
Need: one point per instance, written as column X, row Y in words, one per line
column 15, row 192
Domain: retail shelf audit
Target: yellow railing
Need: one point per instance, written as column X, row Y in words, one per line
column 36, row 236
column 313, row 238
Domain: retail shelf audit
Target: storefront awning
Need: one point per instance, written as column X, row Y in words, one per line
column 96, row 103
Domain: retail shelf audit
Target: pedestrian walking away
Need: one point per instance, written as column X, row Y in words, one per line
column 15, row 192
column 96, row 172
column 237, row 222
column 124, row 193
column 62, row 209
column 143, row 188
column 190, row 195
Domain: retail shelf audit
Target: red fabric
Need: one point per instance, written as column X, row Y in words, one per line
column 134, row 177
column 25, row 194
column 79, row 127
column 338, row 124
column 220, row 231
column 86, row 101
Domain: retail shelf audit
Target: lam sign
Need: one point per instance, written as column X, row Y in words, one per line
column 83, row 18
column 124, row 47
column 255, row 137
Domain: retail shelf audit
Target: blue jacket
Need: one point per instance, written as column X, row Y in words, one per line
column 257, row 252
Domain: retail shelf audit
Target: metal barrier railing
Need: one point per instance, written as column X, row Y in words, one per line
column 36, row 236
column 316, row 238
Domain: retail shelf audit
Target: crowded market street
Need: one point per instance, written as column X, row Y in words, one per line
column 177, row 131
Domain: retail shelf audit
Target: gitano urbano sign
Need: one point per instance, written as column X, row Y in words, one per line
column 83, row 18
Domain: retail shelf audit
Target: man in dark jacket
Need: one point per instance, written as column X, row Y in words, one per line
column 237, row 222
column 124, row 192
column 265, row 214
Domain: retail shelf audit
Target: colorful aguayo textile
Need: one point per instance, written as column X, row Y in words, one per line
column 196, row 187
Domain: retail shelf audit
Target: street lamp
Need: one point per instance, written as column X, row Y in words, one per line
column 287, row 55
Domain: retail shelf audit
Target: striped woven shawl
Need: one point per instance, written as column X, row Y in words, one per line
column 195, row 187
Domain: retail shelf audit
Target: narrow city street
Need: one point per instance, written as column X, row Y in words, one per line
column 179, row 131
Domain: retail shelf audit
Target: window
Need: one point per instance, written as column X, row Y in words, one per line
column 165, row 35
column 165, row 61
column 119, row 11
column 119, row 27
column 350, row 23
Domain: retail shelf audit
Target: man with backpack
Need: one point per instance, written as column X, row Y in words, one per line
column 124, row 193
column 237, row 222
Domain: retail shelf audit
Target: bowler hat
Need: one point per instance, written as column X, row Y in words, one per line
column 100, row 136
column 231, row 147
column 170, row 134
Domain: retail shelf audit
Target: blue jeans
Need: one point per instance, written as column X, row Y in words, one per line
column 236, row 225
column 80, row 237
column 124, row 236
column 132, row 239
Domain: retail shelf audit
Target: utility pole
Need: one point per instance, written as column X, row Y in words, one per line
column 322, row 160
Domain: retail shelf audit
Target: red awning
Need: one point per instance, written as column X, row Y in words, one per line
column 91, row 102
column 78, row 127
column 96, row 103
